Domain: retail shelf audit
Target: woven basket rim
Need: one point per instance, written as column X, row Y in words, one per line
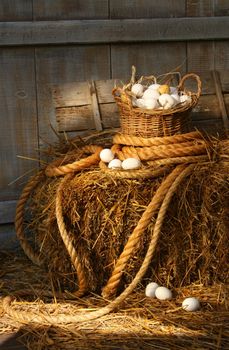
column 179, row 108
column 125, row 91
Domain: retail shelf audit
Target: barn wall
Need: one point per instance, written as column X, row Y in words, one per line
column 45, row 43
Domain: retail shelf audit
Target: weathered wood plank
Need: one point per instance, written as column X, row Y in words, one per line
column 7, row 211
column 18, row 132
column 16, row 10
column 212, row 127
column 199, row 8
column 201, row 56
column 222, row 55
column 95, row 106
column 110, row 115
column 221, row 102
column 221, row 8
column 75, row 118
column 71, row 94
column 70, row 9
column 157, row 58
column 66, row 65
column 146, row 8
column 206, row 109
column 113, row 31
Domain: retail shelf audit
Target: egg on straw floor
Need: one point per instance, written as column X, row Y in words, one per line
column 100, row 213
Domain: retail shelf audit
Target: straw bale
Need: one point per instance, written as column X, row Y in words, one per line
column 100, row 213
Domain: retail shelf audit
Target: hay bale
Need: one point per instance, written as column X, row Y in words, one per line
column 100, row 213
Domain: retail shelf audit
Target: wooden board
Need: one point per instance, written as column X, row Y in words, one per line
column 60, row 66
column 221, row 8
column 196, row 8
column 70, row 9
column 148, row 58
column 16, row 10
column 113, row 31
column 7, row 211
column 18, row 132
column 146, row 8
column 200, row 57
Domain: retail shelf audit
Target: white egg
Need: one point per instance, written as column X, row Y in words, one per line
column 185, row 98
column 137, row 90
column 173, row 90
column 166, row 101
column 150, row 93
column 176, row 98
column 163, row 293
column 150, row 289
column 191, row 304
column 140, row 103
column 115, row 164
column 106, row 155
column 154, row 86
column 151, row 103
column 134, row 101
column 131, row 164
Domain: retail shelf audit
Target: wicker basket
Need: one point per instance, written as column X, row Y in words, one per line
column 158, row 122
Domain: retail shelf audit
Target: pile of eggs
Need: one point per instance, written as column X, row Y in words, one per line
column 162, row 293
column 157, row 96
column 107, row 156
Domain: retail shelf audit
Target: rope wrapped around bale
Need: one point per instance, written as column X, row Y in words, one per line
column 168, row 149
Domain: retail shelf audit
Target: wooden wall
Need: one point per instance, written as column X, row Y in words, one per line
column 45, row 43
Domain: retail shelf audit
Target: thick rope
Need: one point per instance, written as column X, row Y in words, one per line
column 81, row 277
column 23, row 316
column 53, row 170
column 148, row 153
column 19, row 219
column 134, row 174
column 178, row 160
column 133, row 240
column 155, row 141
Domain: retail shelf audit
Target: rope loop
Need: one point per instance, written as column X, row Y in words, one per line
column 56, row 169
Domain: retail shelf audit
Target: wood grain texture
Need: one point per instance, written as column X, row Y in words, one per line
column 146, row 8
column 196, row 8
column 16, row 10
column 18, row 132
column 157, row 58
column 221, row 102
column 65, row 65
column 113, row 31
column 222, row 55
column 7, row 211
column 69, row 9
column 200, row 56
column 206, row 109
column 221, row 8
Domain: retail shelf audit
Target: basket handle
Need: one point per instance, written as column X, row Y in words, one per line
column 118, row 94
column 194, row 77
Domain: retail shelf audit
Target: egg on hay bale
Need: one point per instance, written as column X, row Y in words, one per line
column 100, row 213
